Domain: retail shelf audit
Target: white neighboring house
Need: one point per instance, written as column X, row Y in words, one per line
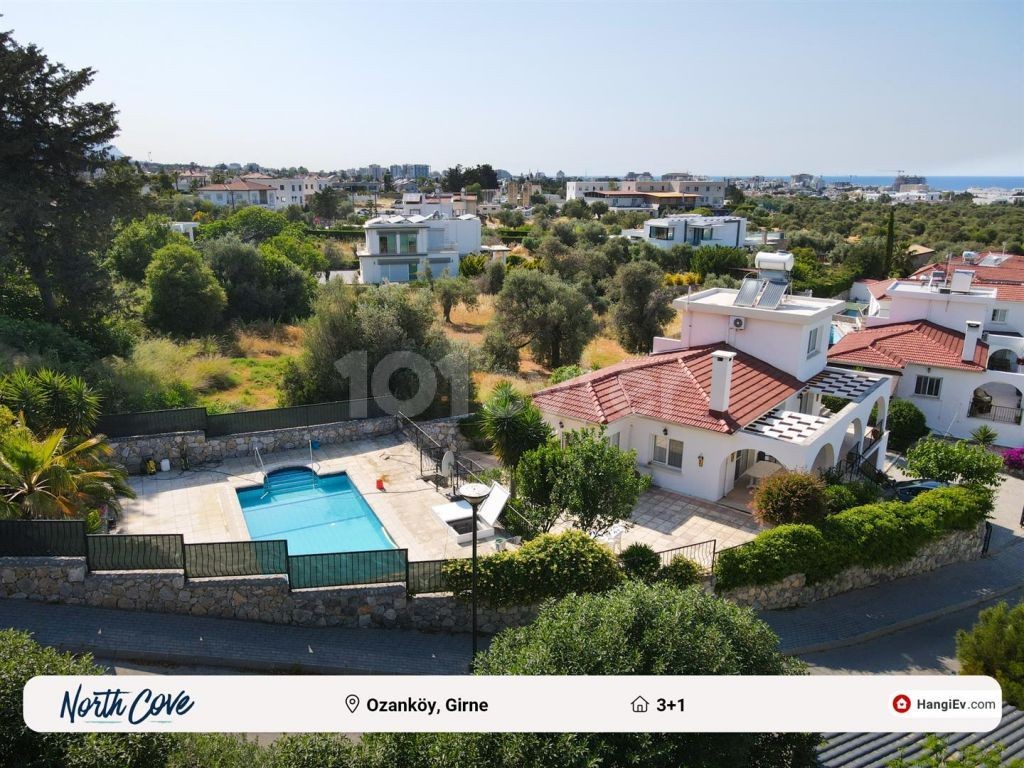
column 399, row 248
column 692, row 230
column 238, row 193
column 951, row 336
column 188, row 180
column 295, row 190
column 737, row 396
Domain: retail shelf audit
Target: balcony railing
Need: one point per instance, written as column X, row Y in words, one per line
column 1002, row 413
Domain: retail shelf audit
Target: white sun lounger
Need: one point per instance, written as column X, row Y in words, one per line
column 457, row 514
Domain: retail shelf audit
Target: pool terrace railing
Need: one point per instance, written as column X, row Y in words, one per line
column 219, row 559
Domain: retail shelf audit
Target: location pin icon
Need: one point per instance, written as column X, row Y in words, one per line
column 352, row 702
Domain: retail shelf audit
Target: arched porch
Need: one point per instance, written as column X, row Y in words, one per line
column 996, row 401
column 742, row 470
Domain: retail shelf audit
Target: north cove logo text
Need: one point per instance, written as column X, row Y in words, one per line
column 115, row 705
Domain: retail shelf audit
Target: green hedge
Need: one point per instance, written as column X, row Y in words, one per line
column 551, row 565
column 883, row 533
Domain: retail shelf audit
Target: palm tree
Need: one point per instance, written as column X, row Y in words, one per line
column 58, row 476
column 984, row 435
column 512, row 424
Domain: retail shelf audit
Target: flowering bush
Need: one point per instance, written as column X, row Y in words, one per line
column 1013, row 458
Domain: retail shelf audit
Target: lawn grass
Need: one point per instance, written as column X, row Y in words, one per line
column 260, row 353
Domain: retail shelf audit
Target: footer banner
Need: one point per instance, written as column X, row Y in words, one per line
column 628, row 704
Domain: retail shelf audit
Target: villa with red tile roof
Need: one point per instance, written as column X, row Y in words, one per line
column 951, row 335
column 737, row 396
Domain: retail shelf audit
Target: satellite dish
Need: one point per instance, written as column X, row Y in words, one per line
column 447, row 463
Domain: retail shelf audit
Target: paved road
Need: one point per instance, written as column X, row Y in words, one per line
column 170, row 638
column 853, row 617
column 928, row 648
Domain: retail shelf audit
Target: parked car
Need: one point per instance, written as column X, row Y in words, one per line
column 911, row 489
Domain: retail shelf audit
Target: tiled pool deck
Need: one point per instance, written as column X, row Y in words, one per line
column 203, row 506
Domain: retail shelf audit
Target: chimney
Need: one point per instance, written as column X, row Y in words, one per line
column 721, row 379
column 971, row 336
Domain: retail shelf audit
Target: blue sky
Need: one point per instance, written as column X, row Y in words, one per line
column 586, row 87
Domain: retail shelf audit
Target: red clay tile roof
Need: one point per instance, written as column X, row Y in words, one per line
column 893, row 346
column 673, row 387
column 877, row 288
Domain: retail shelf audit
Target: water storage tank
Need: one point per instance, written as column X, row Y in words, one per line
column 776, row 262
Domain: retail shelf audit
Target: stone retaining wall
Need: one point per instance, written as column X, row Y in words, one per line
column 445, row 431
column 956, row 547
column 256, row 598
column 130, row 451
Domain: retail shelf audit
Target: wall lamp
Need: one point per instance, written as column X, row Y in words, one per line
column 561, row 425
column 664, row 431
column 700, row 460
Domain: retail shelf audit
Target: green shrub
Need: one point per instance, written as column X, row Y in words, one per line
column 551, row 565
column 564, row 373
column 773, row 555
column 681, row 572
column 884, row 533
column 472, row 265
column 43, row 342
column 906, row 424
column 833, row 403
column 640, row 562
column 312, row 750
column 21, row 660
column 995, row 647
column 500, row 354
column 790, row 497
column 838, row 498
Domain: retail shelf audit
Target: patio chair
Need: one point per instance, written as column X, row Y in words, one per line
column 458, row 515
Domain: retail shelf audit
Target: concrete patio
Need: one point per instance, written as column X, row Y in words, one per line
column 666, row 520
column 203, row 506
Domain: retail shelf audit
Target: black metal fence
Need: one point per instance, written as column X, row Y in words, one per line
column 216, row 425
column 426, row 576
column 236, row 558
column 703, row 553
column 382, row 566
column 42, row 538
column 146, row 552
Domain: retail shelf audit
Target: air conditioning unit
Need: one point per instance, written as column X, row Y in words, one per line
column 739, row 323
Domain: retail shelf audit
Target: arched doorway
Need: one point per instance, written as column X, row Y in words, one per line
column 826, row 459
column 1003, row 360
column 851, row 448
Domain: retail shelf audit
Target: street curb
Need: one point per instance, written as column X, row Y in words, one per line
column 899, row 626
column 245, row 665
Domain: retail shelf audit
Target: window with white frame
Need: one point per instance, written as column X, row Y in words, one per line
column 813, row 339
column 668, row 452
column 612, row 439
column 927, row 386
column 998, row 315
column 662, row 233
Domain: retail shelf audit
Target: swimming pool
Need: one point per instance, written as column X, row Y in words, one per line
column 315, row 514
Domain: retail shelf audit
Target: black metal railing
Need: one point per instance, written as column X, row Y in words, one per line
column 144, row 552
column 703, row 553
column 42, row 538
column 718, row 553
column 339, row 569
column 426, row 576
column 236, row 558
column 1002, row 413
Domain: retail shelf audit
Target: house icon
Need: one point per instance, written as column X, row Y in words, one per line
column 640, row 704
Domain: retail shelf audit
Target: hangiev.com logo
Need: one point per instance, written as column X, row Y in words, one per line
column 901, row 703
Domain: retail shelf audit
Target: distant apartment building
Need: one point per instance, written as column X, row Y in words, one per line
column 696, row 231
column 679, row 191
column 399, row 249
column 296, row 190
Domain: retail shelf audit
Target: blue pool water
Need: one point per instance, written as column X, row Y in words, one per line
column 315, row 514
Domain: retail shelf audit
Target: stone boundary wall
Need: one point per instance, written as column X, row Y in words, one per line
column 956, row 547
column 130, row 451
column 256, row 598
column 445, row 431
